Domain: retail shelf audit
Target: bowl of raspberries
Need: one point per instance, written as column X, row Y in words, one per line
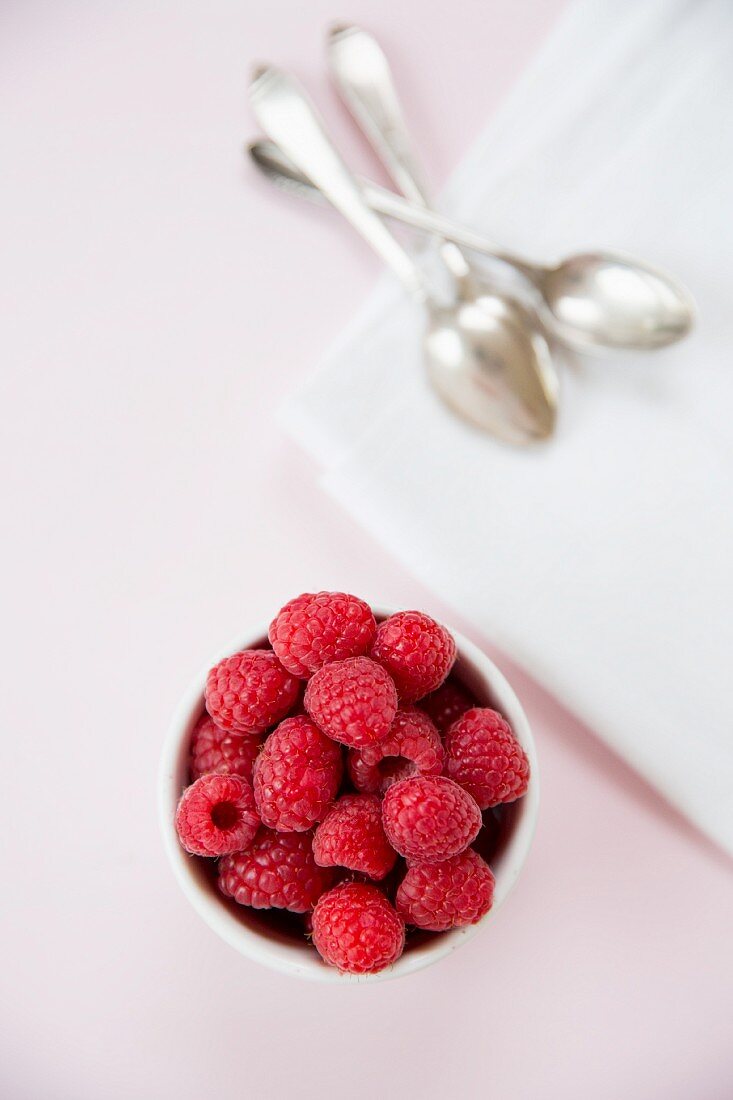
column 349, row 795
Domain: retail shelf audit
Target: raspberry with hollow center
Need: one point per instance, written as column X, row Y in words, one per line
column 277, row 871
column 484, row 756
column 217, row 815
column 452, row 894
column 316, row 628
column 447, row 704
column 412, row 747
column 429, row 818
column 296, row 775
column 352, row 835
column 216, row 750
column 356, row 929
column 353, row 701
column 417, row 652
column 249, row 691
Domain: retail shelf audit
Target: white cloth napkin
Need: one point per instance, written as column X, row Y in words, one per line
column 601, row 561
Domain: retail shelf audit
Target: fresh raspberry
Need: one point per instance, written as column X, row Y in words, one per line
column 484, row 756
column 447, row 704
column 215, row 750
column 451, row 894
column 356, row 929
column 352, row 835
column 417, row 652
column 429, row 818
column 412, row 747
column 217, row 815
column 249, row 691
column 353, row 701
column 316, row 628
column 277, row 871
column 296, row 775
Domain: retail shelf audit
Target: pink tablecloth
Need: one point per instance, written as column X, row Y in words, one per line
column 158, row 302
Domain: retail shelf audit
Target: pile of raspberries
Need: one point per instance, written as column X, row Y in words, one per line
column 341, row 775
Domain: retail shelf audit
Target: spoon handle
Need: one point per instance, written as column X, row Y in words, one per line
column 281, row 171
column 364, row 79
column 285, row 112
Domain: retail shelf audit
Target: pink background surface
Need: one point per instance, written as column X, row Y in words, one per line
column 158, row 302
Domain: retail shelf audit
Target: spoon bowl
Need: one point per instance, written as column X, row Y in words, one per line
column 604, row 300
column 490, row 363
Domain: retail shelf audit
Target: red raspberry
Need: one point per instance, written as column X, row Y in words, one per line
column 353, row 701
column 447, row 704
column 216, row 815
column 296, row 776
column 249, row 691
column 429, row 818
column 451, row 894
column 215, row 750
column 417, row 652
column 352, row 835
column 484, row 756
column 412, row 747
column 356, row 929
column 316, row 628
column 277, row 871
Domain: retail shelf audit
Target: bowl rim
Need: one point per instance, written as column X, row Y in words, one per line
column 289, row 957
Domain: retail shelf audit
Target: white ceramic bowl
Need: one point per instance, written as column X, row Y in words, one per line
column 244, row 928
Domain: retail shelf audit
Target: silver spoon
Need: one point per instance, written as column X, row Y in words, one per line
column 592, row 301
column 483, row 356
column 362, row 75
column 595, row 300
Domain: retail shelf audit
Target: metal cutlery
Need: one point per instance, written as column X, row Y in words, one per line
column 485, row 355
